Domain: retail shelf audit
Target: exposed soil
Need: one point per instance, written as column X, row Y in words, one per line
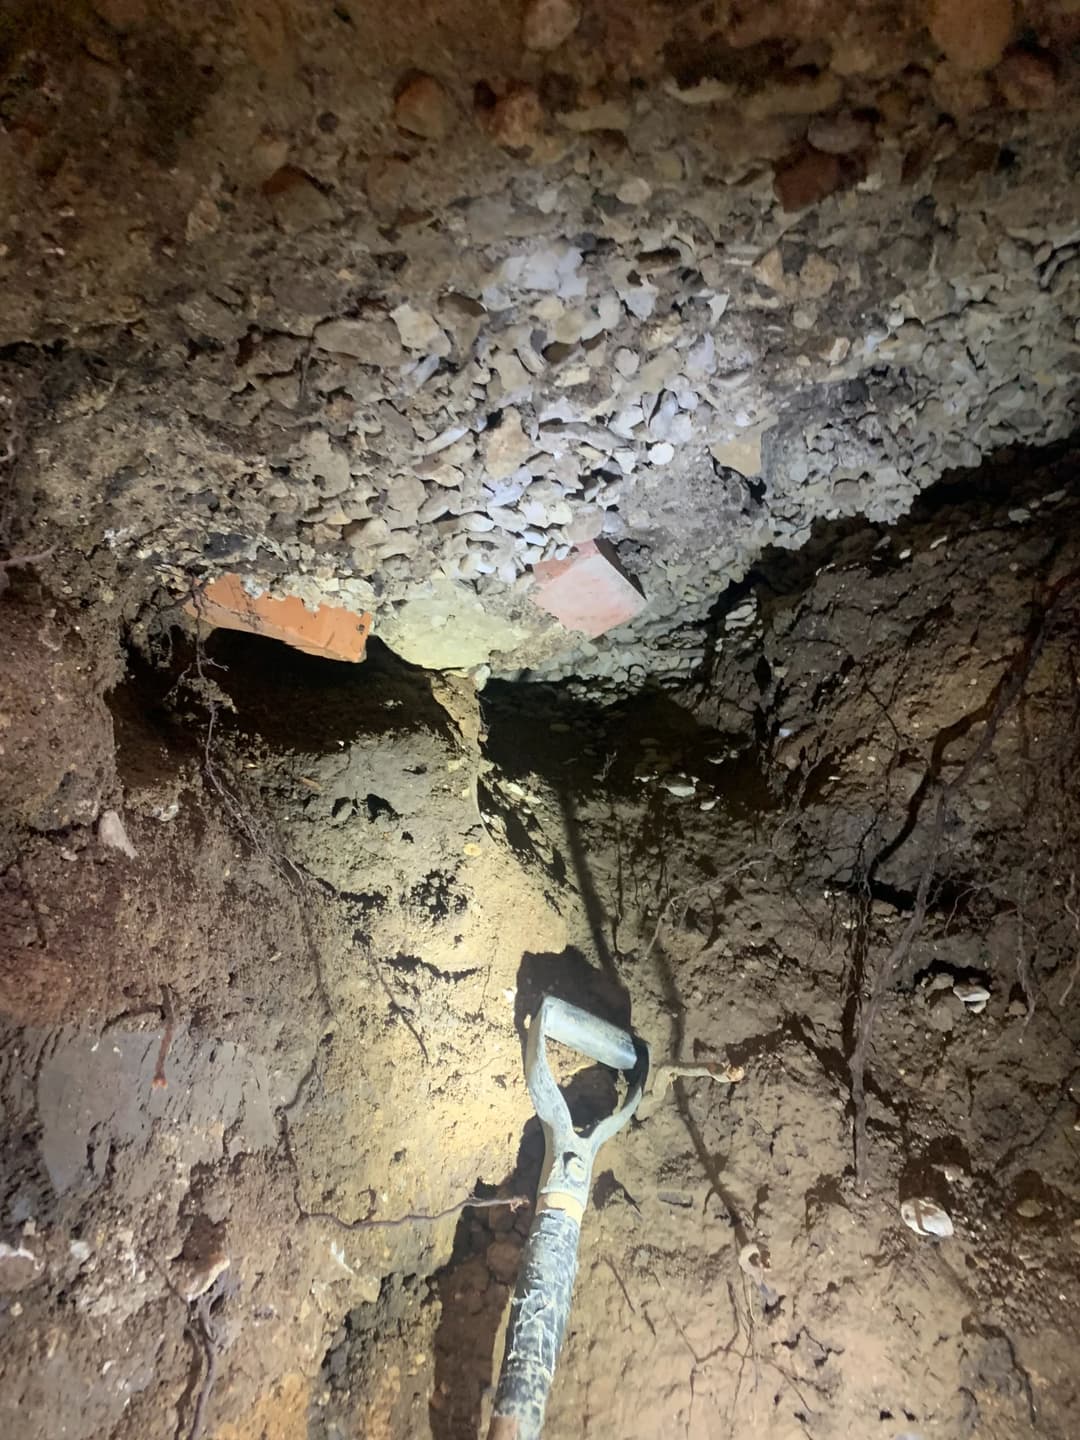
column 350, row 887
column 399, row 310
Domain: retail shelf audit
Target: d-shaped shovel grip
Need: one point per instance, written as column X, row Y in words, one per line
column 538, row 1315
column 541, row 1304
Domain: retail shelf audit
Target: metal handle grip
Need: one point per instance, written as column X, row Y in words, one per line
column 599, row 1039
column 538, row 1316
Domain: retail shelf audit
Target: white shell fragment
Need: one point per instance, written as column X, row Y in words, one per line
column 750, row 1261
column 111, row 832
column 926, row 1217
column 974, row 997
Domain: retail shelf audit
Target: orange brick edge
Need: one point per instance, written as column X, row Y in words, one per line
column 331, row 631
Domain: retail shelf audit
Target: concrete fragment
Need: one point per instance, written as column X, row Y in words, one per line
column 323, row 462
column 769, row 270
column 588, row 591
column 512, row 374
column 817, row 277
column 405, row 494
column 587, row 524
column 329, row 631
column 741, row 450
column 447, row 629
column 554, row 269
column 836, row 352
column 423, row 108
column 434, row 507
column 364, row 535
column 626, row 362
column 202, row 316
column 507, row 518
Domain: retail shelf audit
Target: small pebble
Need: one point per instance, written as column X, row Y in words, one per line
column 424, row 109
column 548, row 23
column 1030, row 1208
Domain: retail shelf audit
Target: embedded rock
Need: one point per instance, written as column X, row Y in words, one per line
column 423, row 108
column 972, row 33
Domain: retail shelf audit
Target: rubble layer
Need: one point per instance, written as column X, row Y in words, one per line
column 384, row 315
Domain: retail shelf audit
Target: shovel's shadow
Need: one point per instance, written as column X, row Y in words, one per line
column 474, row 1290
column 569, row 976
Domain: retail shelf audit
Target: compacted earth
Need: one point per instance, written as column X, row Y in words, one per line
column 271, row 928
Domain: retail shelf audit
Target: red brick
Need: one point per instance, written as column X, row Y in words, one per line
column 588, row 591
column 330, row 631
column 808, row 179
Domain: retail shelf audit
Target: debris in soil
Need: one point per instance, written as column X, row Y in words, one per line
column 111, row 832
column 926, row 1217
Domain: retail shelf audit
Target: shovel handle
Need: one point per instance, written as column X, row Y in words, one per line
column 538, row 1316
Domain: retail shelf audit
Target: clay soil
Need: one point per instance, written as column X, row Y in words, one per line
column 349, row 889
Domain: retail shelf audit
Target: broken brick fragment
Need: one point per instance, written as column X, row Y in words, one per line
column 423, row 108
column 808, row 179
column 589, row 591
column 331, row 631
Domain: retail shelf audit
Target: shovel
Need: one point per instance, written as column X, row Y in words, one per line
column 541, row 1304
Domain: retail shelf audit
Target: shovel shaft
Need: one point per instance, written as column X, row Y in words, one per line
column 538, row 1316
